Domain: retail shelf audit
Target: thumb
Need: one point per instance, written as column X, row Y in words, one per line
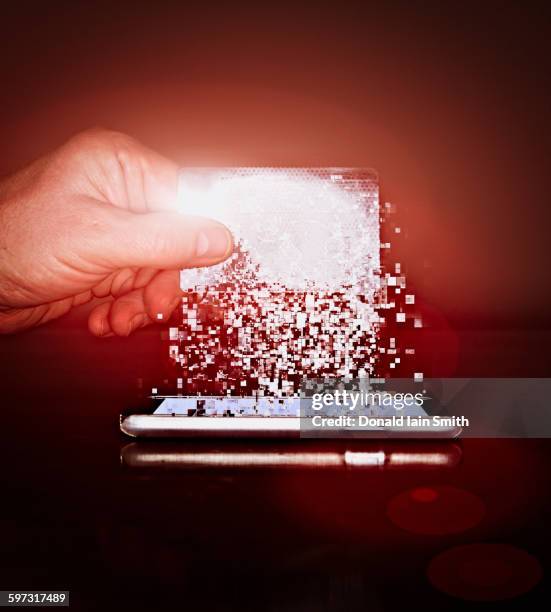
column 166, row 240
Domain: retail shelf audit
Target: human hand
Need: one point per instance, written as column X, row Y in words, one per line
column 98, row 217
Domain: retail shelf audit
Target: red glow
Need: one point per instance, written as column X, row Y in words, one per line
column 436, row 510
column 424, row 495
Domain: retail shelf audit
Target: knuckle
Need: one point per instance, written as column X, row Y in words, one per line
column 99, row 137
column 168, row 244
column 90, row 136
column 160, row 242
column 125, row 158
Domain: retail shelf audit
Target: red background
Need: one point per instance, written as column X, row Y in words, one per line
column 450, row 102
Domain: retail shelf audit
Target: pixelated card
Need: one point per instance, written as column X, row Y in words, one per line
column 296, row 298
column 295, row 228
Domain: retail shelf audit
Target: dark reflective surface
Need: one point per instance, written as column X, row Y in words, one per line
column 256, row 526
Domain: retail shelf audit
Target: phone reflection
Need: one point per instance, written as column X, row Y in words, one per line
column 307, row 456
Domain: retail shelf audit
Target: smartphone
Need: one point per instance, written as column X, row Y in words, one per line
column 268, row 417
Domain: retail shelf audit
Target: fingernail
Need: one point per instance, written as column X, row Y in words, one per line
column 135, row 322
column 213, row 243
column 174, row 304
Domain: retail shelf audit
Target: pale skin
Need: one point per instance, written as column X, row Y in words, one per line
column 98, row 218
